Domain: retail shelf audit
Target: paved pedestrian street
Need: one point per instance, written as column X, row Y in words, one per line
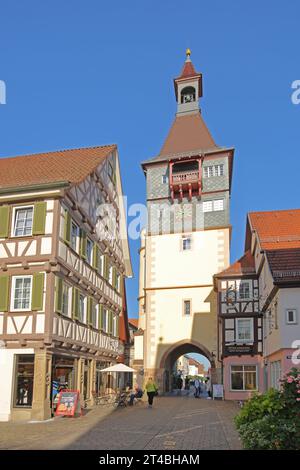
column 174, row 423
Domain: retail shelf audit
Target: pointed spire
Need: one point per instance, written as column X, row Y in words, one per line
column 188, row 68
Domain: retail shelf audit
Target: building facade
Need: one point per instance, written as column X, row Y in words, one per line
column 63, row 256
column 187, row 238
column 258, row 298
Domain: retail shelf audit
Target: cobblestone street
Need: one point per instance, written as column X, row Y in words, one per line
column 178, row 423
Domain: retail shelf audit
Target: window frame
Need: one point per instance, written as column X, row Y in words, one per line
column 76, row 249
column 295, row 322
column 15, row 381
column 12, row 293
column 84, row 308
column 184, row 302
column 89, row 256
column 183, row 240
column 13, row 224
column 69, row 287
column 245, row 281
column 244, row 341
column 242, row 366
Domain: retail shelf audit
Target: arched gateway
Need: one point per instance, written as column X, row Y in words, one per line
column 186, row 240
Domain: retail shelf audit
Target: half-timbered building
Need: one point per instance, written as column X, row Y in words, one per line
column 240, row 328
column 63, row 258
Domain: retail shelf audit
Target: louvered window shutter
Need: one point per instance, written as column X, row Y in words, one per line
column 4, row 221
column 39, row 218
column 68, row 222
column 4, row 293
column 37, row 291
column 59, row 293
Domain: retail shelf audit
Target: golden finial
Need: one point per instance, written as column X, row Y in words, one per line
column 188, row 53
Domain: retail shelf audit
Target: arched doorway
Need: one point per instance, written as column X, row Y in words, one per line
column 181, row 349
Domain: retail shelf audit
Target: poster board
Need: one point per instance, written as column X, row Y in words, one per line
column 218, row 391
column 68, row 403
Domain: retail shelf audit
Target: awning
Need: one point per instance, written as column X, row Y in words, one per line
column 118, row 368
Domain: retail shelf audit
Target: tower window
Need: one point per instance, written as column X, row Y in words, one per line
column 164, row 179
column 213, row 170
column 186, row 243
column 291, row 317
column 187, row 307
column 188, row 95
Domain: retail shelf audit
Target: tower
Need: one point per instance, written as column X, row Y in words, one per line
column 186, row 240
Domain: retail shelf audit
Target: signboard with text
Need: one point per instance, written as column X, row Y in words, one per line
column 218, row 391
column 68, row 403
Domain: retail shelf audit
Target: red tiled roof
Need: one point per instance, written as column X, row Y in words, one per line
column 134, row 322
column 188, row 70
column 285, row 264
column 277, row 229
column 188, row 133
column 243, row 266
column 71, row 165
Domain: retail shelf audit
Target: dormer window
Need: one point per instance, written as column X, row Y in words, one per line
column 188, row 95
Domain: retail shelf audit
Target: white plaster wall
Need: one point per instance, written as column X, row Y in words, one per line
column 138, row 347
column 288, row 299
column 169, row 265
column 6, row 384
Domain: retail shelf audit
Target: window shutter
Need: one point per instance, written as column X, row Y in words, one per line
column 37, row 292
column 110, row 322
column 59, row 291
column 83, row 244
column 39, row 218
column 4, row 221
column 4, row 290
column 95, row 257
column 117, row 326
column 75, row 303
column 105, row 267
column 68, row 221
column 89, row 310
column 100, row 322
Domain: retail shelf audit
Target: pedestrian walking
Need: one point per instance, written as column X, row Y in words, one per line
column 151, row 389
column 207, row 385
column 197, row 388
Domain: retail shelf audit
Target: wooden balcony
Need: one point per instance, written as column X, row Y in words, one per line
column 186, row 177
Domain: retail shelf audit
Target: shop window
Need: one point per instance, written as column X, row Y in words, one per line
column 22, row 221
column 243, row 378
column 24, row 375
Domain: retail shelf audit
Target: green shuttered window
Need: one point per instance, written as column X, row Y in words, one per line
column 4, row 221
column 39, row 218
column 37, row 291
column 4, row 289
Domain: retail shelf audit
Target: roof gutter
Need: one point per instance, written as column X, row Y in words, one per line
column 35, row 187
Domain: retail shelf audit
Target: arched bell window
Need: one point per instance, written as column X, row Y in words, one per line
column 188, row 94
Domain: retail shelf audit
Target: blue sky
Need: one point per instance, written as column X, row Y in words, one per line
column 84, row 73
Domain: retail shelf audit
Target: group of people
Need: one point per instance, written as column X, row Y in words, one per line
column 150, row 388
column 201, row 387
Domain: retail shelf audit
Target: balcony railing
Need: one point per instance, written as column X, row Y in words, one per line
column 186, row 177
